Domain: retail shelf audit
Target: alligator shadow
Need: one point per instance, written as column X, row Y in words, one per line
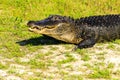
column 42, row 40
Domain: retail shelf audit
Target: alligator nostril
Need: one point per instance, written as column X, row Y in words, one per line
column 30, row 23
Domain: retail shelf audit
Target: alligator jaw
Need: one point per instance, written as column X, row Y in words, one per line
column 40, row 30
column 35, row 29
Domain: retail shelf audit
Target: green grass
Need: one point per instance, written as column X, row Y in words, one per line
column 3, row 66
column 75, row 77
column 111, row 46
column 100, row 70
column 18, row 44
column 105, row 73
column 69, row 58
column 84, row 54
column 34, row 63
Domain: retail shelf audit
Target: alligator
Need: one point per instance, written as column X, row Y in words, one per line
column 84, row 32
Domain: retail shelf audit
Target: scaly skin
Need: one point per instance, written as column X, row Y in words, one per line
column 83, row 32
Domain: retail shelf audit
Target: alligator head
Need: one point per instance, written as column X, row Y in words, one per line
column 56, row 26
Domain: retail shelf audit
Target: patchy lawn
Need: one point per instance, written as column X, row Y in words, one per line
column 28, row 56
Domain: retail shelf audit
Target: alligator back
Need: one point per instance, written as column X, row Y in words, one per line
column 103, row 28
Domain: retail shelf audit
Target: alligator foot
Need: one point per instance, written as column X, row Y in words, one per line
column 86, row 43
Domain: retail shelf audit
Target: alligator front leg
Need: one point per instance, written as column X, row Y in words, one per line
column 90, row 42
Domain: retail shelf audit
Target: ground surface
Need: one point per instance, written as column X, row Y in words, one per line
column 58, row 62
column 28, row 56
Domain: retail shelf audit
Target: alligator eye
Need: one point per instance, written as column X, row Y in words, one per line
column 36, row 27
